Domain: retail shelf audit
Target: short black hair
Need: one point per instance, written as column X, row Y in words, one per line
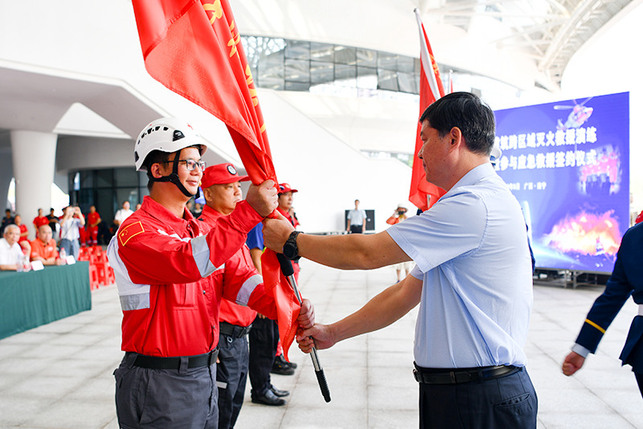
column 467, row 112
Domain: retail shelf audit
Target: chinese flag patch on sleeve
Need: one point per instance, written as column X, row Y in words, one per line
column 125, row 234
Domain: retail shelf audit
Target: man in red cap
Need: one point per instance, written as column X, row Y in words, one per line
column 222, row 191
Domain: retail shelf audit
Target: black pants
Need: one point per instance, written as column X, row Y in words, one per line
column 232, row 373
column 165, row 398
column 504, row 402
column 263, row 338
column 356, row 229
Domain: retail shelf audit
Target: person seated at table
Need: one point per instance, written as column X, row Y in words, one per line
column 23, row 240
column 43, row 248
column 10, row 251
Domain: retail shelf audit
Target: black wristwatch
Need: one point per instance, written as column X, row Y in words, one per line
column 290, row 249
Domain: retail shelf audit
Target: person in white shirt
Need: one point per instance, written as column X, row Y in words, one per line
column 472, row 278
column 123, row 213
column 356, row 220
column 10, row 251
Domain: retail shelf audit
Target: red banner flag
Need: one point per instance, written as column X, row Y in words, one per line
column 422, row 193
column 193, row 47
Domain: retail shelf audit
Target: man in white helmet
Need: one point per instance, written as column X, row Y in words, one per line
column 163, row 258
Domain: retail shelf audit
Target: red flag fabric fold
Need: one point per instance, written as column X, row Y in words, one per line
column 289, row 307
column 422, row 193
column 193, row 47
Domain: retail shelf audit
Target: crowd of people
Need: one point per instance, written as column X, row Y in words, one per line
column 55, row 238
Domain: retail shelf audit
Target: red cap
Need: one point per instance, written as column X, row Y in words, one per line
column 285, row 187
column 221, row 174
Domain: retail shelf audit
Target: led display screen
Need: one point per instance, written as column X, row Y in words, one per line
column 567, row 163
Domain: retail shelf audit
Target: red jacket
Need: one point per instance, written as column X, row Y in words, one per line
column 238, row 270
column 163, row 266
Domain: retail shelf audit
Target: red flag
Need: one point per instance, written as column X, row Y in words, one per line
column 193, row 47
column 422, row 193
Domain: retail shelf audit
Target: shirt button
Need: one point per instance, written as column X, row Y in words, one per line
column 204, row 292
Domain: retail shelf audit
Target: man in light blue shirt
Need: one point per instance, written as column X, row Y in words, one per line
column 472, row 278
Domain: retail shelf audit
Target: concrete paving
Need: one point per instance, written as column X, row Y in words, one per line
column 60, row 375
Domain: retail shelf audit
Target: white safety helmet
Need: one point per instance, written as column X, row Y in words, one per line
column 166, row 135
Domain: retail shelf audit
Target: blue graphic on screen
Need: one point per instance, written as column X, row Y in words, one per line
column 567, row 163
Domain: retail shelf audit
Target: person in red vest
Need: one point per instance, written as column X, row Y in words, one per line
column 93, row 220
column 23, row 241
column 222, row 191
column 39, row 221
column 164, row 261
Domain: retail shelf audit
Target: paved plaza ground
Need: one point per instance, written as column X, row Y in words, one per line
column 60, row 375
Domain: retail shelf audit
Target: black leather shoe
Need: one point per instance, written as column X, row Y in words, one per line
column 283, row 361
column 268, row 398
column 281, row 367
column 279, row 393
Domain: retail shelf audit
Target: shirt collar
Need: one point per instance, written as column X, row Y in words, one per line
column 159, row 212
column 473, row 176
column 210, row 213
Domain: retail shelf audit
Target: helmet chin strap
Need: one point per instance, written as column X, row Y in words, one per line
column 174, row 178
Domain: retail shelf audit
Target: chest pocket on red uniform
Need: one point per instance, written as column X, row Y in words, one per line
column 186, row 295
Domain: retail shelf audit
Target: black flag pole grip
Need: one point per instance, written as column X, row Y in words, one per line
column 289, row 273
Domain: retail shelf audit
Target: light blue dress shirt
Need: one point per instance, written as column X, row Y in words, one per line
column 472, row 255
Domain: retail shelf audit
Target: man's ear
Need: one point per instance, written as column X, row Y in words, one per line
column 455, row 134
column 156, row 170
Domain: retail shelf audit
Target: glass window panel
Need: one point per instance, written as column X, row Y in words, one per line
column 322, row 52
column 387, row 80
column 298, row 50
column 366, row 57
column 406, row 82
column 386, row 61
column 104, row 178
column 297, row 86
column 321, row 72
column 343, row 72
column 345, row 55
column 271, row 71
column 125, row 177
column 405, row 64
column 417, row 65
column 297, row 70
column 86, row 178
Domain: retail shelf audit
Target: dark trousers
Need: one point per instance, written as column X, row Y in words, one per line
column 639, row 381
column 263, row 338
column 232, row 373
column 165, row 398
column 505, row 402
column 356, row 229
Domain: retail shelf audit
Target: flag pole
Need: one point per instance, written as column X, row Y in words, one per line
column 289, row 273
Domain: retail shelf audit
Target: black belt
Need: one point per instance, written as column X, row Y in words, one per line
column 157, row 362
column 231, row 330
column 461, row 375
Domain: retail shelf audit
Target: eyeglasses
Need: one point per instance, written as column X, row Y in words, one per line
column 190, row 164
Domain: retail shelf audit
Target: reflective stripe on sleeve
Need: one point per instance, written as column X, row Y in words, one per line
column 135, row 302
column 201, row 255
column 589, row 322
column 133, row 296
column 243, row 296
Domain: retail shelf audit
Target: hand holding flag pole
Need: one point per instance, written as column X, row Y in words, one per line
column 288, row 272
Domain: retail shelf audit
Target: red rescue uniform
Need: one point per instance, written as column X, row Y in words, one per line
column 164, row 266
column 238, row 270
